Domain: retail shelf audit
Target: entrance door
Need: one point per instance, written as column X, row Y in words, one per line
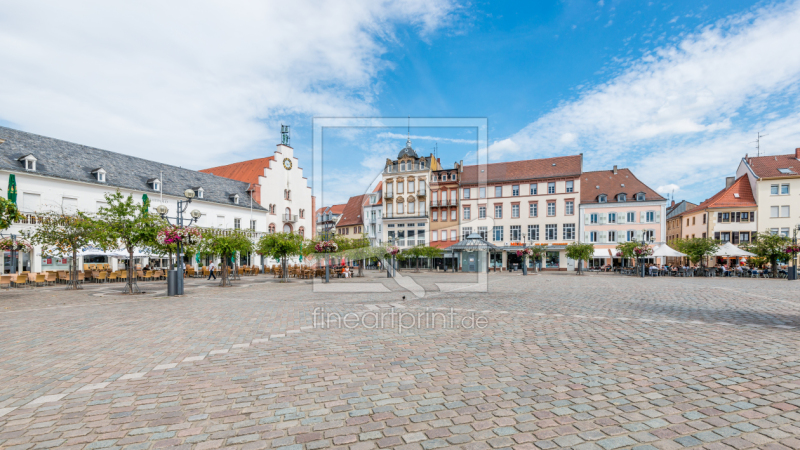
column 570, row 264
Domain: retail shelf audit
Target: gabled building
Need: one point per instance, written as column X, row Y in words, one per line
column 775, row 184
column 728, row 216
column 351, row 224
column 277, row 183
column 617, row 207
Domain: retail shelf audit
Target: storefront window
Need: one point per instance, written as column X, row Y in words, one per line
column 551, row 260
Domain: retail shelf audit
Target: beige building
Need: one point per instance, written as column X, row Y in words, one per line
column 405, row 194
column 532, row 202
column 728, row 216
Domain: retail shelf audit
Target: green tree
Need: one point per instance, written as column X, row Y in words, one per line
column 225, row 244
column 281, row 246
column 431, row 253
column 8, row 213
column 579, row 252
column 771, row 247
column 61, row 234
column 697, row 249
column 125, row 224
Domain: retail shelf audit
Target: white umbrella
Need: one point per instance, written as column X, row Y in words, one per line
column 93, row 251
column 666, row 250
column 730, row 250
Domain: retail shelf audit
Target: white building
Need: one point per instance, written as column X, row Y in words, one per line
column 54, row 175
column 278, row 184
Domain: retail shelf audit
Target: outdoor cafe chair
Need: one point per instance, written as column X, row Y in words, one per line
column 50, row 278
column 5, row 281
column 113, row 276
column 101, row 277
column 148, row 275
column 63, row 276
column 38, row 279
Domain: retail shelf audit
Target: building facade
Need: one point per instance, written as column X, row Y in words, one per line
column 405, row 194
column 351, row 224
column 327, row 217
column 373, row 216
column 531, row 202
column 278, row 184
column 59, row 176
column 730, row 215
column 674, row 223
column 445, row 218
column 617, row 207
column 775, row 183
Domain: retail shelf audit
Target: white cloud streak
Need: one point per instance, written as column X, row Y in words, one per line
column 684, row 114
column 194, row 83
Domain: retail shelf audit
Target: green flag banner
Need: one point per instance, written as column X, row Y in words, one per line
column 12, row 188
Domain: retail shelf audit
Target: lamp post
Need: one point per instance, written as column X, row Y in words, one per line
column 524, row 255
column 175, row 286
column 792, row 275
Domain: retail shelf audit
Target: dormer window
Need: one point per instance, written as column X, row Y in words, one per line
column 622, row 197
column 198, row 192
column 235, row 198
column 30, row 162
column 422, row 164
column 602, row 198
column 100, row 175
column 640, row 197
column 155, row 183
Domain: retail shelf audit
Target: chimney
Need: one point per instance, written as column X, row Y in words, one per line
column 797, row 153
column 729, row 181
column 615, row 169
column 673, row 203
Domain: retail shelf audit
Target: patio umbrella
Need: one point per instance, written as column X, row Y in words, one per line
column 730, row 250
column 666, row 250
column 12, row 188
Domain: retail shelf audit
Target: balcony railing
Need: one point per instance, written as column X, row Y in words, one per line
column 422, row 192
column 434, row 202
column 290, row 218
column 373, row 219
column 388, row 194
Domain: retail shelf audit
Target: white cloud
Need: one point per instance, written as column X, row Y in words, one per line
column 684, row 113
column 194, row 83
column 668, row 189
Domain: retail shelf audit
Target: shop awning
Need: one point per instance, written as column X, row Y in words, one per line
column 603, row 253
column 730, row 250
column 666, row 250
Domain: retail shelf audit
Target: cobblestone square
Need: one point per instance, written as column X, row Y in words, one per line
column 564, row 361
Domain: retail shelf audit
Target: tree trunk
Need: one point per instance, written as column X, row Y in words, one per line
column 284, row 265
column 131, row 287
column 73, row 271
column 224, row 282
column 774, row 267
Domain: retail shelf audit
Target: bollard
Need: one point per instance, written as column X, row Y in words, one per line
column 172, row 283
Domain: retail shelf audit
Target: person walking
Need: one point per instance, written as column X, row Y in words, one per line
column 211, row 269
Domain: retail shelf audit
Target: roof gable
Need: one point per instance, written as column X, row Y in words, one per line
column 739, row 194
column 352, row 214
column 770, row 166
column 247, row 171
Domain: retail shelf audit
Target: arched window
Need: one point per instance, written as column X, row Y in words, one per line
column 271, row 228
column 287, row 228
column 301, row 231
column 288, row 213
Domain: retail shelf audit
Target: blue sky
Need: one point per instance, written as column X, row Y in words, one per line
column 676, row 91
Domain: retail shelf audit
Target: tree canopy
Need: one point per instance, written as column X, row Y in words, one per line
column 8, row 213
column 771, row 247
column 580, row 252
column 125, row 224
column 697, row 249
column 65, row 235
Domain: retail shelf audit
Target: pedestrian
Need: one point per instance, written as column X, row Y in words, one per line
column 211, row 269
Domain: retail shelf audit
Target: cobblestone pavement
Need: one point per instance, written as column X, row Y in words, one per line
column 564, row 361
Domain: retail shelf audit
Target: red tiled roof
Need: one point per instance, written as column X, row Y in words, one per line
column 352, row 212
column 443, row 244
column 379, row 187
column 338, row 209
column 767, row 166
column 611, row 185
column 247, row 171
column 531, row 169
column 726, row 198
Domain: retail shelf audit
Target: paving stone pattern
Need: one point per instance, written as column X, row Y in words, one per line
column 585, row 362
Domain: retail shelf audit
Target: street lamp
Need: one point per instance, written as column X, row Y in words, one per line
column 175, row 287
column 793, row 270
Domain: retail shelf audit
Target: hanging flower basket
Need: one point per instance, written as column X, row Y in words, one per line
column 326, row 247
column 175, row 234
column 642, row 251
column 393, row 250
column 20, row 245
column 525, row 252
column 793, row 249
